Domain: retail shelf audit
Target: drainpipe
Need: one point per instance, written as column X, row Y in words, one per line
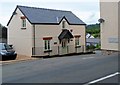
column 33, row 39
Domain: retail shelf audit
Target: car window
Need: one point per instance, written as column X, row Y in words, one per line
column 7, row 47
column 2, row 47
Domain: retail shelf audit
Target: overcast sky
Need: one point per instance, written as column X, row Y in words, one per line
column 86, row 10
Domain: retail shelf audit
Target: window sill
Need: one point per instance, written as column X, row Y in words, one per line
column 47, row 51
column 78, row 46
column 23, row 28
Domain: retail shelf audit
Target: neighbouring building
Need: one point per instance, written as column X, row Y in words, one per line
column 89, row 36
column 109, row 19
column 41, row 32
column 91, row 40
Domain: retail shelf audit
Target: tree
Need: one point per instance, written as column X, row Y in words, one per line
column 3, row 31
column 94, row 29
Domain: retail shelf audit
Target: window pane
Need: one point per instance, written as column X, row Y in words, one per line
column 48, row 45
column 23, row 22
column 62, row 44
column 45, row 42
column 63, row 24
column 76, row 41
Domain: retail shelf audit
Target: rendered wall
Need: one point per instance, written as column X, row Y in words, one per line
column 21, row 39
column 109, row 28
column 54, row 31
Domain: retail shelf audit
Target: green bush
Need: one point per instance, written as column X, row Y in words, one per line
column 90, row 47
column 98, row 46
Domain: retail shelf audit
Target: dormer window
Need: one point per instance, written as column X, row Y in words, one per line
column 63, row 24
column 23, row 18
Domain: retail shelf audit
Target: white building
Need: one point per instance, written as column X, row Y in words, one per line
column 110, row 25
column 40, row 32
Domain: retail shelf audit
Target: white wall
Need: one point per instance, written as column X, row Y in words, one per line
column 21, row 39
column 109, row 28
column 54, row 31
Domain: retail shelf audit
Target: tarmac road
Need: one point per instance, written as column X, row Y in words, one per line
column 74, row 69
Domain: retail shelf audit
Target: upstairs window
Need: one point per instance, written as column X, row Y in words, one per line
column 23, row 18
column 23, row 23
column 63, row 24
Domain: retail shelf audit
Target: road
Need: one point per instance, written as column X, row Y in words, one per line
column 110, row 80
column 74, row 69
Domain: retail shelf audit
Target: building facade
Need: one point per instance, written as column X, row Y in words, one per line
column 109, row 13
column 40, row 32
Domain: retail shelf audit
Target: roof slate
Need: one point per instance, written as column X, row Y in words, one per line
column 48, row 16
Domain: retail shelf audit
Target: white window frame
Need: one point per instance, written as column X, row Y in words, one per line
column 23, row 23
column 47, row 45
column 77, row 41
column 63, row 24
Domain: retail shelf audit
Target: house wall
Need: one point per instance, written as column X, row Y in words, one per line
column 109, row 28
column 21, row 39
column 54, row 31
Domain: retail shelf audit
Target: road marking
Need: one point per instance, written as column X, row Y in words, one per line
column 106, row 77
column 88, row 58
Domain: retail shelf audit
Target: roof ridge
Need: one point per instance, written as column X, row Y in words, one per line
column 43, row 8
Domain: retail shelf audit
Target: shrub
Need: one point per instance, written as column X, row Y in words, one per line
column 90, row 47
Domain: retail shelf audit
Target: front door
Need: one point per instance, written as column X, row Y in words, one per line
column 64, row 46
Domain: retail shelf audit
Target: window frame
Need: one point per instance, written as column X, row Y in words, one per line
column 47, row 45
column 63, row 24
column 23, row 23
column 77, row 41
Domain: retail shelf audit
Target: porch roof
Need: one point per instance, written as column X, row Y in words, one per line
column 65, row 34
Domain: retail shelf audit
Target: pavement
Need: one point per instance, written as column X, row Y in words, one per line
column 18, row 59
column 73, row 69
column 28, row 58
column 22, row 58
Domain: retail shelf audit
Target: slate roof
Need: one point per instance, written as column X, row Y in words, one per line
column 92, row 40
column 48, row 16
column 65, row 34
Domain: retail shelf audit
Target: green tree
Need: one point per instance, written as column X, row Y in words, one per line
column 3, row 31
column 94, row 30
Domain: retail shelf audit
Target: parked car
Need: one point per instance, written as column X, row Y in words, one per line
column 7, row 52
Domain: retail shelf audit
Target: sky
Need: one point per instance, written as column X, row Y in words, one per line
column 86, row 10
